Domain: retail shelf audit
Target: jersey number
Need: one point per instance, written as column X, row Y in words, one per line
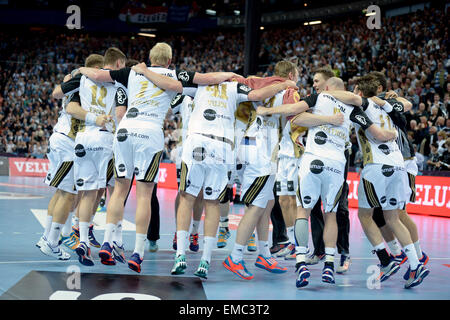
column 218, row 92
column 382, row 121
column 98, row 101
column 144, row 87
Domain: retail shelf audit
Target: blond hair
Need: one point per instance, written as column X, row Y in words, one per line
column 283, row 68
column 94, row 61
column 112, row 55
column 161, row 54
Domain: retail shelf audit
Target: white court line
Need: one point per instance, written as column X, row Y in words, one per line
column 170, row 260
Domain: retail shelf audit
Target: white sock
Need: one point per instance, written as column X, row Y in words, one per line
column 412, row 256
column 238, row 252
column 84, row 232
column 195, row 225
column 48, row 225
column 329, row 254
column 291, row 235
column 92, row 219
column 394, row 246
column 380, row 246
column 117, row 235
column 223, row 222
column 182, row 241
column 53, row 235
column 300, row 253
column 67, row 229
column 139, row 246
column 208, row 244
column 109, row 233
column 76, row 221
column 418, row 249
column 264, row 250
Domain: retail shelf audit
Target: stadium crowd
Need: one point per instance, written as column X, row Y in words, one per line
column 412, row 50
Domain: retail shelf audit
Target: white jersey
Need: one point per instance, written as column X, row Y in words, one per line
column 374, row 151
column 182, row 105
column 291, row 132
column 147, row 103
column 64, row 123
column 330, row 141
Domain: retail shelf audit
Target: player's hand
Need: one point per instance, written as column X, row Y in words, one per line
column 102, row 120
column 262, row 111
column 391, row 95
column 67, row 77
column 234, row 76
column 139, row 68
column 395, row 134
column 337, row 119
column 291, row 84
column 378, row 101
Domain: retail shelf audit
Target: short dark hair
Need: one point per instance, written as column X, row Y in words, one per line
column 381, row 78
column 326, row 72
column 131, row 62
column 112, row 55
column 368, row 85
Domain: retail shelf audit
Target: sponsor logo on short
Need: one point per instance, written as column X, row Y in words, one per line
column 392, row 201
column 316, row 166
column 80, row 182
column 122, row 135
column 387, row 170
column 199, row 154
column 79, row 150
column 208, row 191
column 49, row 176
column 383, row 199
column 307, row 199
column 121, row 167
column 136, row 170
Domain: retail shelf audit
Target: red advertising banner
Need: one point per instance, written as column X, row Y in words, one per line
column 27, row 167
column 432, row 195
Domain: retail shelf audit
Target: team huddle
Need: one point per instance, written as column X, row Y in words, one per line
column 254, row 131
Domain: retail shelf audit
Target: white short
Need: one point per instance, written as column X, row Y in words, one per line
column 287, row 176
column 61, row 172
column 382, row 186
column 138, row 151
column 320, row 177
column 204, row 166
column 410, row 180
column 93, row 164
column 256, row 189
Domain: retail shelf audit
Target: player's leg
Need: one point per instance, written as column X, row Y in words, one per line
column 224, row 231
column 196, row 218
column 153, row 228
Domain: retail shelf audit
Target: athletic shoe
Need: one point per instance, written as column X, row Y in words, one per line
column 76, row 231
column 237, row 268
column 41, row 242
column 251, row 244
column 101, row 208
column 55, row 252
column 291, row 256
column 118, row 252
column 193, row 246
column 202, row 270
column 276, row 248
column 71, row 241
column 313, row 259
column 416, row 276
column 174, row 242
column 286, row 250
column 400, row 258
column 135, row 262
column 303, row 275
column 269, row 264
column 152, row 246
column 84, row 254
column 344, row 265
column 92, row 241
column 180, row 265
column 106, row 256
column 424, row 260
column 224, row 234
column 389, row 270
column 328, row 273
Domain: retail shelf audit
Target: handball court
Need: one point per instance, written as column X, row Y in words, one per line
column 27, row 274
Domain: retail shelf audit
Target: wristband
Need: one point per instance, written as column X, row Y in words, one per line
column 387, row 107
column 90, row 118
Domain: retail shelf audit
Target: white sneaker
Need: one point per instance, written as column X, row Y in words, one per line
column 55, row 252
column 285, row 251
column 313, row 259
column 344, row 265
column 41, row 242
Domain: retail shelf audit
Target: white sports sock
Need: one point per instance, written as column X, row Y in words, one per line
column 380, row 246
column 208, row 244
column 76, row 221
column 394, row 246
column 418, row 249
column 195, row 225
column 238, row 252
column 117, row 235
column 109, row 233
column 53, row 235
column 48, row 225
column 263, row 247
column 92, row 219
column 412, row 256
column 84, row 232
column 291, row 235
column 67, row 229
column 300, row 253
column 182, row 241
column 329, row 254
column 139, row 246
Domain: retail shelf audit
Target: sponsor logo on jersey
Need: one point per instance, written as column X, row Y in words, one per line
column 320, row 138
column 183, row 76
column 176, row 100
column 121, row 96
column 243, row 88
column 132, row 113
column 209, row 114
column 361, row 119
column 384, row 148
column 79, row 150
column 122, row 135
column 397, row 106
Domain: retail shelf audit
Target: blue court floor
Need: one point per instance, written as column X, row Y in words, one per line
column 25, row 273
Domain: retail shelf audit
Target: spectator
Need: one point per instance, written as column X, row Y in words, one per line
column 445, row 158
column 441, row 139
column 433, row 159
column 419, row 158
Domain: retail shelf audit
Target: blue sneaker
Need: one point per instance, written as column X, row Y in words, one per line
column 424, row 260
column 92, row 241
column 400, row 259
column 389, row 270
column 193, row 245
column 328, row 273
column 106, row 256
column 303, row 275
column 118, row 252
column 84, row 254
column 416, row 276
column 135, row 262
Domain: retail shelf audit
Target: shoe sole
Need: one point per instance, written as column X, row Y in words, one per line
column 419, row 280
column 252, row 249
column 134, row 266
column 179, row 270
column 328, row 280
column 387, row 276
column 82, row 259
column 303, row 282
column 50, row 255
column 200, row 275
column 195, row 249
column 106, row 258
column 153, row 250
column 275, row 270
column 230, row 269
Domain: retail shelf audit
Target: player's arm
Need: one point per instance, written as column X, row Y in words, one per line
column 289, row 108
column 97, row 75
column 211, row 78
column 359, row 117
column 270, row 91
column 407, row 105
column 307, row 119
column 346, row 97
column 75, row 110
column 161, row 81
column 70, row 85
column 121, row 100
